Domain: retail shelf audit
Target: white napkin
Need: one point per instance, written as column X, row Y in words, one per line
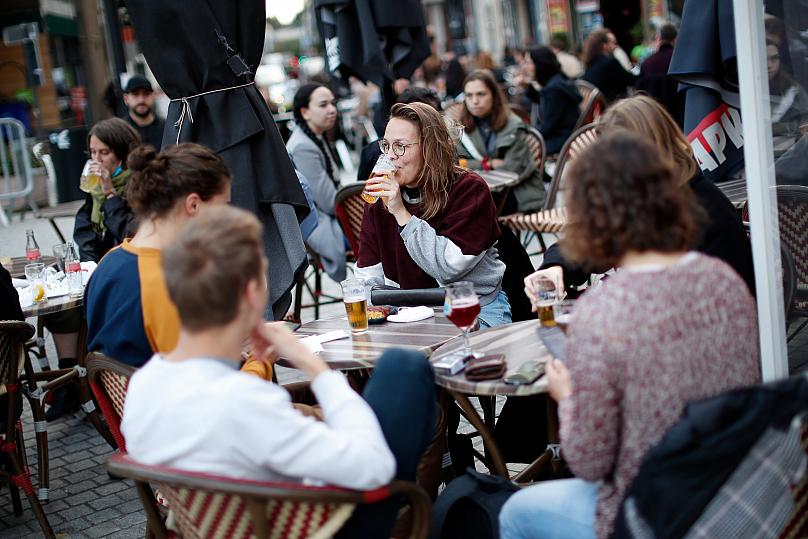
column 315, row 342
column 19, row 283
column 412, row 314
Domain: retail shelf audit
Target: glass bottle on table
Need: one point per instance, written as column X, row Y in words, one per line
column 32, row 252
column 462, row 307
column 73, row 272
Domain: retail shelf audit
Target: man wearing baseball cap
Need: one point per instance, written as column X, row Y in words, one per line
column 139, row 98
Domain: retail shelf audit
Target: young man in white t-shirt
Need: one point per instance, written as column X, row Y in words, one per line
column 192, row 409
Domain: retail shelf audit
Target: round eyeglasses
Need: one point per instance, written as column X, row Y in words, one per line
column 398, row 147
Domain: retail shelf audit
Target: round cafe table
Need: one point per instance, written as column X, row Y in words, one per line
column 519, row 342
column 53, row 305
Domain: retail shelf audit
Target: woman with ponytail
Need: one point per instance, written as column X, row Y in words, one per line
column 315, row 113
column 129, row 313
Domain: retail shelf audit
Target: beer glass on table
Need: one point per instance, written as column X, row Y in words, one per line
column 546, row 297
column 89, row 179
column 462, row 307
column 60, row 253
column 356, row 304
column 384, row 167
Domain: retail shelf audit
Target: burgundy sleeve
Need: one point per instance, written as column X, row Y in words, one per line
column 471, row 217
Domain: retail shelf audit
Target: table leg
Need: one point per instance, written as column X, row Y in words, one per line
column 492, row 451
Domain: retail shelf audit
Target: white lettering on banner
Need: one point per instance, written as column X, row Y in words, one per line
column 332, row 51
column 709, row 139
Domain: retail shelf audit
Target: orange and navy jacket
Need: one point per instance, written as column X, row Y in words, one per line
column 130, row 315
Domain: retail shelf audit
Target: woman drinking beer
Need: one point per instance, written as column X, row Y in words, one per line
column 434, row 223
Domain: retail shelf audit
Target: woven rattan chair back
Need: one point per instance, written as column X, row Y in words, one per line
column 585, row 88
column 109, row 380
column 206, row 506
column 792, row 202
column 581, row 139
column 538, row 150
column 349, row 208
column 592, row 108
column 13, row 336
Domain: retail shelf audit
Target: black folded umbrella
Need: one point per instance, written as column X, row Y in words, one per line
column 373, row 40
column 705, row 63
column 203, row 54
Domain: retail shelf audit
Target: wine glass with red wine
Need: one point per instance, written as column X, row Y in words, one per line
column 462, row 307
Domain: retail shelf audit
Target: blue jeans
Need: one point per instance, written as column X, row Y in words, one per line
column 496, row 313
column 563, row 509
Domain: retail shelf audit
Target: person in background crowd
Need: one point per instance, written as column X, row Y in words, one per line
column 191, row 409
column 103, row 221
column 129, row 314
column 315, row 113
column 371, row 152
column 9, row 310
column 497, row 139
column 722, row 235
column 454, row 75
column 558, row 97
column 139, row 98
column 670, row 327
column 570, row 64
column 789, row 101
column 484, row 60
column 601, row 67
column 434, row 223
column 654, row 79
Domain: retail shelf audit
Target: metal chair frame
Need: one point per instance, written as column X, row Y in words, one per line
column 14, row 152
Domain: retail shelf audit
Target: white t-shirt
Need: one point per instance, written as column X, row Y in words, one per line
column 204, row 415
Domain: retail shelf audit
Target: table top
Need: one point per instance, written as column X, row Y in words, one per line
column 66, row 209
column 16, row 265
column 735, row 190
column 498, row 180
column 53, row 305
column 362, row 351
column 519, row 342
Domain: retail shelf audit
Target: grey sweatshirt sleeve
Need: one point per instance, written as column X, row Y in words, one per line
column 437, row 255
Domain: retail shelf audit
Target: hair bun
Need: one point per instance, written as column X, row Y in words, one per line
column 141, row 158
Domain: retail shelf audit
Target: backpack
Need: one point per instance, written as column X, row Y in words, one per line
column 469, row 506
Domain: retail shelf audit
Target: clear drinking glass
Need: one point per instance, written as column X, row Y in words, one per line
column 462, row 307
column 562, row 313
column 356, row 304
column 60, row 252
column 34, row 274
column 546, row 296
column 89, row 181
column 384, row 167
column 455, row 129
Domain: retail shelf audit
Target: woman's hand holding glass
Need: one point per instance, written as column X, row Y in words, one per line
column 387, row 188
column 554, row 273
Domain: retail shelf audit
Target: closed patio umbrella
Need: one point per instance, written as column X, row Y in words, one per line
column 705, row 63
column 204, row 54
column 374, row 40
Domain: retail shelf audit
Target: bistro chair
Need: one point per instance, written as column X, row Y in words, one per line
column 13, row 461
column 37, row 386
column 593, row 103
column 209, row 506
column 108, row 380
column 792, row 203
column 551, row 218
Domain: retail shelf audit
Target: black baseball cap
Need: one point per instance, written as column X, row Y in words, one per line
column 138, row 82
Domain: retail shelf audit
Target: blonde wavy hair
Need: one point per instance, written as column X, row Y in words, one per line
column 643, row 115
column 438, row 151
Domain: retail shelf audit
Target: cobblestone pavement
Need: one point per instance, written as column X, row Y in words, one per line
column 84, row 501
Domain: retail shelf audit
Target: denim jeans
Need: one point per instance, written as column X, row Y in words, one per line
column 563, row 509
column 401, row 392
column 496, row 313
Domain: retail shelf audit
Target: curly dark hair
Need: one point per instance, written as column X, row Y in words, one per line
column 593, row 46
column 624, row 196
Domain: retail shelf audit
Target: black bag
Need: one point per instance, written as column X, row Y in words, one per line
column 469, row 506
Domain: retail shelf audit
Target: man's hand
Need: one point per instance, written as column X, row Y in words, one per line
column 274, row 338
column 559, row 380
column 554, row 273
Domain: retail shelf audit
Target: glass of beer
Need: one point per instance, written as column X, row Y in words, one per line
column 546, row 297
column 384, row 167
column 356, row 304
column 89, row 180
column 562, row 313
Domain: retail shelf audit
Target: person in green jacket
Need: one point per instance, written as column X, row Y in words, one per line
column 496, row 138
